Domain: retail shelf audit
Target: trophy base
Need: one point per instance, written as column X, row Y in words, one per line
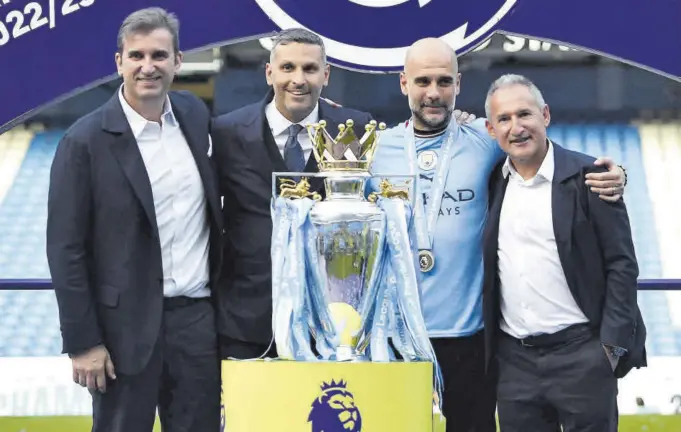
column 298, row 396
column 347, row 353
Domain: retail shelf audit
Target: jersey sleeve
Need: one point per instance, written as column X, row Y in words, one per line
column 479, row 129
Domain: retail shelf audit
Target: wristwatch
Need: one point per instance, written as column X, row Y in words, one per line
column 626, row 177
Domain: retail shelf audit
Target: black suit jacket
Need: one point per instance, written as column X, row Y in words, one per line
column 246, row 156
column 596, row 252
column 103, row 246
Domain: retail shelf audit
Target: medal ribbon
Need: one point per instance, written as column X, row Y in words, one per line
column 425, row 229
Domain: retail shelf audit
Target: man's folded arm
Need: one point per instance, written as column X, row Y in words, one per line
column 69, row 209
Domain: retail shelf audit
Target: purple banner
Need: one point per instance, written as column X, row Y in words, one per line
column 50, row 49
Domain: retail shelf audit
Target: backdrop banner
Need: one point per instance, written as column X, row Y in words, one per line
column 51, row 49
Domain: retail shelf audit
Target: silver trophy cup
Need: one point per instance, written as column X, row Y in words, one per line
column 348, row 233
column 348, row 227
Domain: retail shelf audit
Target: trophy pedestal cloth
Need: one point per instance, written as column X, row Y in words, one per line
column 327, row 396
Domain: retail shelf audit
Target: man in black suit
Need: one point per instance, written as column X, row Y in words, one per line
column 560, row 281
column 250, row 144
column 133, row 243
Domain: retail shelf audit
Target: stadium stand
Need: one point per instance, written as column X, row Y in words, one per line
column 638, row 148
column 661, row 156
column 29, row 323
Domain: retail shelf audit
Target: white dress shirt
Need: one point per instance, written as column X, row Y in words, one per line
column 279, row 127
column 179, row 202
column 535, row 297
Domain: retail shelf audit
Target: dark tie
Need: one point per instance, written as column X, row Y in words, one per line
column 293, row 151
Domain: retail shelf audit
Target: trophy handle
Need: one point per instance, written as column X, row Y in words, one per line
column 293, row 190
column 387, row 190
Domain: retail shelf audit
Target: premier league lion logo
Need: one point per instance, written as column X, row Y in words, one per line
column 334, row 410
column 373, row 35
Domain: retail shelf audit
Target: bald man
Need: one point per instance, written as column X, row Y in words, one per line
column 453, row 163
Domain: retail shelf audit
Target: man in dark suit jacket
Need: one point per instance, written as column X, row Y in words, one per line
column 250, row 144
column 560, row 280
column 133, row 243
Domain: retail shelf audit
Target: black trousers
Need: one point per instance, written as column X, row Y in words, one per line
column 469, row 396
column 569, row 383
column 182, row 378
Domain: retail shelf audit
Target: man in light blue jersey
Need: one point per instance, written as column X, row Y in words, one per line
column 453, row 163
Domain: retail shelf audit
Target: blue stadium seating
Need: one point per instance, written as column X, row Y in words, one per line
column 23, row 213
column 622, row 143
column 29, row 321
column 29, row 324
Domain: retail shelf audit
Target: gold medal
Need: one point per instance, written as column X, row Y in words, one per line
column 426, row 260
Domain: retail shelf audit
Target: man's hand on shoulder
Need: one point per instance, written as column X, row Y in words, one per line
column 91, row 368
column 608, row 185
column 462, row 117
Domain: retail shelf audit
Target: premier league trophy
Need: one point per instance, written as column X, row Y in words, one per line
column 343, row 268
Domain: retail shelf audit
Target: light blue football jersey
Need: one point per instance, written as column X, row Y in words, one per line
column 451, row 292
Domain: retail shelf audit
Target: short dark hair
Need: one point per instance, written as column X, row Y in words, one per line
column 147, row 20
column 298, row 35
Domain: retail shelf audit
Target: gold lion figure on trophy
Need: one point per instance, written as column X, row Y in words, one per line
column 386, row 190
column 291, row 189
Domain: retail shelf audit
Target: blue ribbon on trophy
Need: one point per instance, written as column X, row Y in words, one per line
column 344, row 268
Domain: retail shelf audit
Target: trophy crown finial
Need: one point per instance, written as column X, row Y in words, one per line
column 345, row 152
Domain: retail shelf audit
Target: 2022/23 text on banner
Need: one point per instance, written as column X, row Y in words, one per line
column 18, row 21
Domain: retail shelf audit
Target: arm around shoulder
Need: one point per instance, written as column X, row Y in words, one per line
column 67, row 237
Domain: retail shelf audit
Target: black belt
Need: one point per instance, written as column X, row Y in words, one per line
column 180, row 301
column 557, row 338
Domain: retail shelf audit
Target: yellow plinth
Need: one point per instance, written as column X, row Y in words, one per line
column 263, row 396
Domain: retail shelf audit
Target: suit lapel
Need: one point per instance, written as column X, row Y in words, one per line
column 200, row 154
column 264, row 131
column 562, row 207
column 562, row 202
column 126, row 151
column 274, row 155
column 258, row 143
column 498, row 191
